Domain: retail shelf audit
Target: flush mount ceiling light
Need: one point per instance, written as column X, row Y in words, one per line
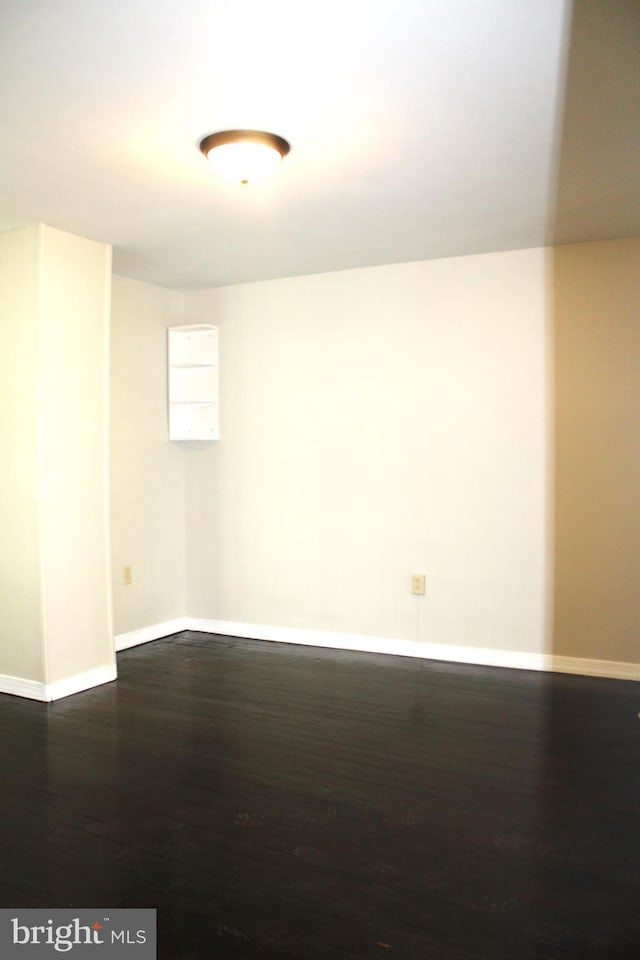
column 244, row 156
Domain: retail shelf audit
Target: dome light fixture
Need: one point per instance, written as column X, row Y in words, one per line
column 244, row 156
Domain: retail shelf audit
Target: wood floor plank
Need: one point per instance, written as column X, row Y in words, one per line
column 280, row 802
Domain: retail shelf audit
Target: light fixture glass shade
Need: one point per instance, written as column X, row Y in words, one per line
column 244, row 161
column 244, row 156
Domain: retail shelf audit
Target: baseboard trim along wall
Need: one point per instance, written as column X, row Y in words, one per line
column 46, row 692
column 79, row 682
column 135, row 637
column 481, row 656
column 22, row 688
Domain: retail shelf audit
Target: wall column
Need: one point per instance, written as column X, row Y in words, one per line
column 54, row 570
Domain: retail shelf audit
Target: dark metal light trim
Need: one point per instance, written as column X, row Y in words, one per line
column 238, row 136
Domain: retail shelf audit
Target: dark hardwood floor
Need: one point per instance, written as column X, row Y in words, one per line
column 279, row 802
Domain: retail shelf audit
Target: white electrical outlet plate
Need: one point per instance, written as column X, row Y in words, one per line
column 417, row 584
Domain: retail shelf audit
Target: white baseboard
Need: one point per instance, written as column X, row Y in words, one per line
column 18, row 687
column 125, row 640
column 80, row 681
column 481, row 656
column 46, row 692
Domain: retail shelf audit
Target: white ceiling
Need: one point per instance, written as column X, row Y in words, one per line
column 419, row 128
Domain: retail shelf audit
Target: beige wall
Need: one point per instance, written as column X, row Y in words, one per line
column 597, row 536
column 374, row 422
column 377, row 422
column 147, row 472
column 75, row 282
column 21, row 647
column 54, row 573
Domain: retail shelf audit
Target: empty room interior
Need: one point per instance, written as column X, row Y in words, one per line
column 319, row 496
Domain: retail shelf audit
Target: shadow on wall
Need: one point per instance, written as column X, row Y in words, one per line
column 596, row 603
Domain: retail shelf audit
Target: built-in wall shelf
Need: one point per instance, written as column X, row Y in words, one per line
column 193, row 382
